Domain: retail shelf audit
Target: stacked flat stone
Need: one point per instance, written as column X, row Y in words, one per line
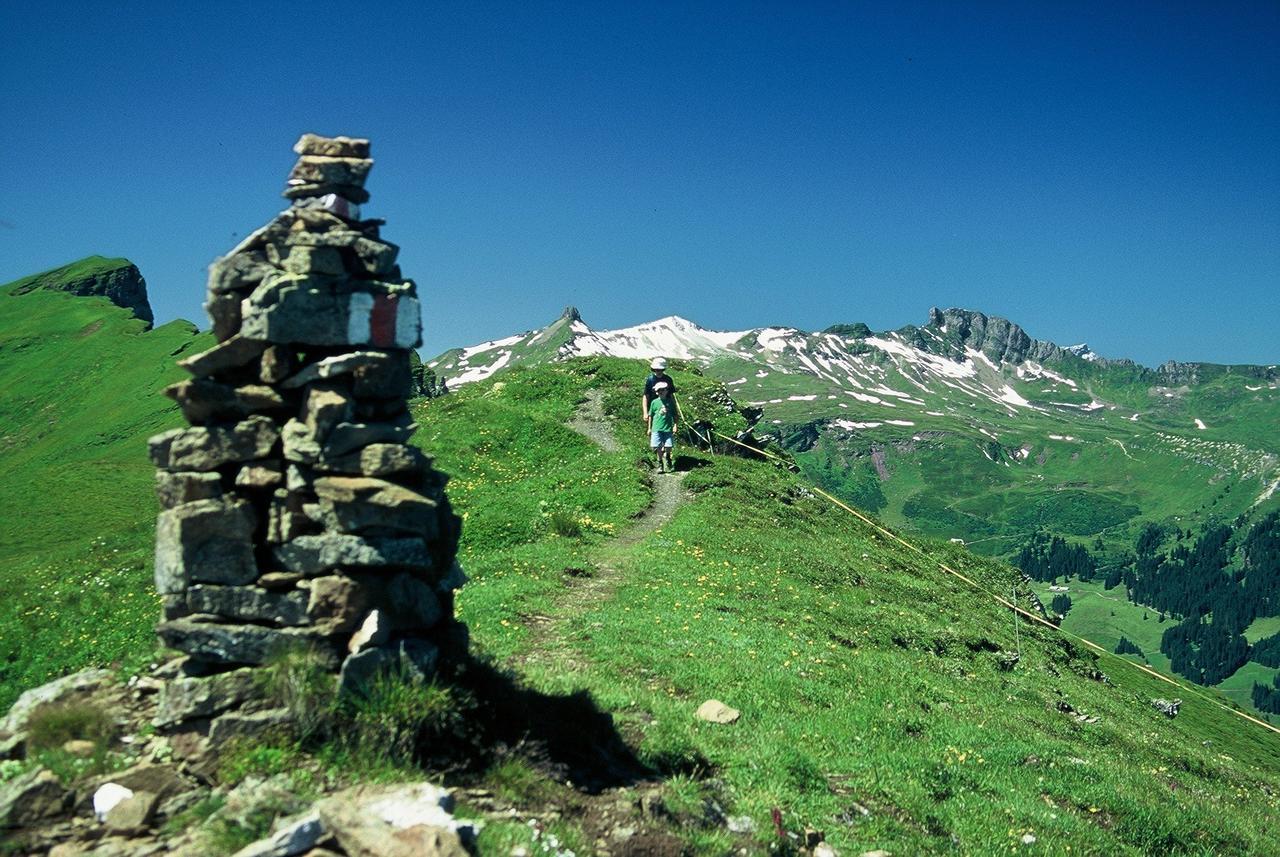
column 294, row 512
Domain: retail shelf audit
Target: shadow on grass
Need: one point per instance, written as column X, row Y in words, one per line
column 568, row 736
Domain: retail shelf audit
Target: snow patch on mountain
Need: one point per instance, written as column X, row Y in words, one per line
column 479, row 373
column 672, row 337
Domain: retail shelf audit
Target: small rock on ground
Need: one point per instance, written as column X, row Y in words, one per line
column 715, row 711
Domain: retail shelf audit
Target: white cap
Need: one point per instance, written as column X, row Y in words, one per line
column 658, row 363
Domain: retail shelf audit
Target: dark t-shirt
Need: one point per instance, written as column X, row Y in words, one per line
column 653, row 379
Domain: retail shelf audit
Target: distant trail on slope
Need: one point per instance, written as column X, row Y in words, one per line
column 582, row 593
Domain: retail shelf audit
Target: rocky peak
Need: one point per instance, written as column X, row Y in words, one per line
column 117, row 280
column 997, row 338
column 571, row 314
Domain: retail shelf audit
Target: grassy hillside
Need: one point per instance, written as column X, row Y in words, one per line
column 79, row 395
column 878, row 701
column 866, row 677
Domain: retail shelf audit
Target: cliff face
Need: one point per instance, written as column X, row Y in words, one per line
column 118, row 280
column 998, row 338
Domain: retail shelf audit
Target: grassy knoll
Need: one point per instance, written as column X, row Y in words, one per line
column 79, row 395
column 864, row 675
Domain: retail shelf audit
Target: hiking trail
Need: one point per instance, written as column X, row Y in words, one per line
column 607, row 560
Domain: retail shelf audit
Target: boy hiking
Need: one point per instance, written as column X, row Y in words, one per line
column 662, row 426
column 659, row 367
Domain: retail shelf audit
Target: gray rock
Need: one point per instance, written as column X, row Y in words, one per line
column 338, row 147
column 337, row 602
column 235, row 352
column 133, row 814
column 206, row 448
column 325, row 407
column 413, row 605
column 176, row 488
column 309, row 259
column 234, row 644
column 224, row 314
column 13, row 746
column 317, row 554
column 715, row 711
column 299, row 443
column 280, row 580
column 397, row 821
column 376, row 459
column 353, row 193
column 273, row 231
column 375, row 258
column 339, row 237
column 276, row 362
column 208, row 541
column 59, row 690
column 242, row 271
column 249, row 603
column 203, row 400
column 327, row 169
column 239, row 724
column 334, row 367
column 418, row 658
column 361, row 669
column 188, row 698
column 311, row 310
column 347, row 437
column 292, row 839
column 31, row 797
column 361, row 504
column 285, row 521
column 260, row 475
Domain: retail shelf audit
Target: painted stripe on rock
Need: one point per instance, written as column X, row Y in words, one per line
column 382, row 322
column 409, row 323
column 359, row 312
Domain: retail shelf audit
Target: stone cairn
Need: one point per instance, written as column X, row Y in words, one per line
column 294, row 512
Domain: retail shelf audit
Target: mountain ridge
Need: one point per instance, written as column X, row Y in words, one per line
column 946, row 332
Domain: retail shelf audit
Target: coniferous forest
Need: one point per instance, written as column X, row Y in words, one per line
column 1213, row 586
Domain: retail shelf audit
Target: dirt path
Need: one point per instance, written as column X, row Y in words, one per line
column 598, row 585
column 590, row 422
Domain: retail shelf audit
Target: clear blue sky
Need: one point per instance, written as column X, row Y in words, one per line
column 1102, row 171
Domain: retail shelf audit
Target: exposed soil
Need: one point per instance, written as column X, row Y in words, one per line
column 590, row 422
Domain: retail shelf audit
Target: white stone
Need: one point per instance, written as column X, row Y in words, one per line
column 107, row 797
column 374, row 631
